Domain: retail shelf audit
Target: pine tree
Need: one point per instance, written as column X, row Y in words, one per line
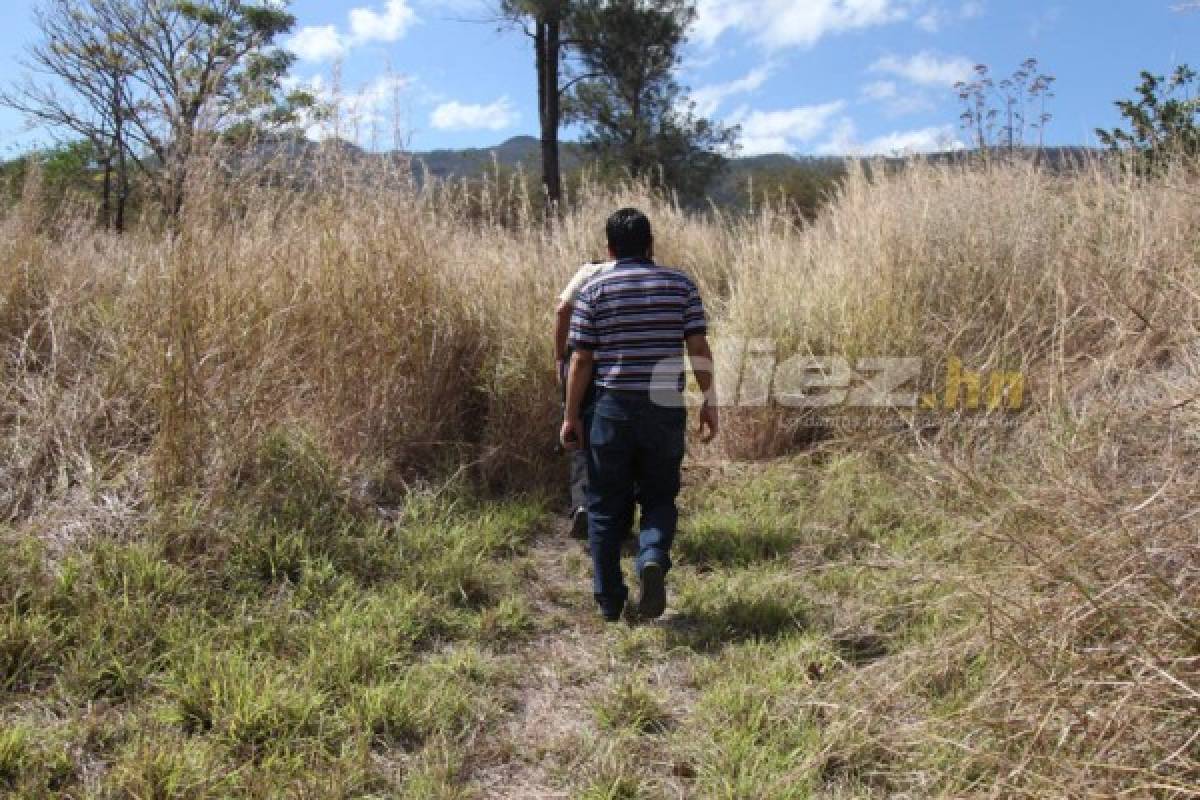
column 635, row 115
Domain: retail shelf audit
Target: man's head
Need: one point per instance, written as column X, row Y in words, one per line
column 629, row 234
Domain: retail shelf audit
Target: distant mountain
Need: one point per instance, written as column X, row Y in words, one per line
column 520, row 150
column 525, row 151
column 299, row 159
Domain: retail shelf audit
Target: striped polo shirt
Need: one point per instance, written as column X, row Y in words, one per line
column 635, row 316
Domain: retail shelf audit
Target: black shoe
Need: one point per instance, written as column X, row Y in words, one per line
column 611, row 611
column 612, row 614
column 653, row 601
column 579, row 523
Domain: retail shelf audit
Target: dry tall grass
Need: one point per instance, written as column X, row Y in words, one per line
column 408, row 331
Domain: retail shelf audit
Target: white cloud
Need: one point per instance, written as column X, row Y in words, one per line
column 785, row 130
column 317, row 43
column 936, row 16
column 1045, row 21
column 367, row 25
column 327, row 43
column 790, row 130
column 926, row 68
column 880, row 90
column 791, row 23
column 456, row 116
column 905, row 104
column 361, row 115
column 930, row 21
column 923, row 140
column 971, row 9
column 844, row 141
column 897, row 103
column 375, row 96
column 709, row 98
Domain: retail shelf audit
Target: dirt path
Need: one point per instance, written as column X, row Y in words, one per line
column 571, row 665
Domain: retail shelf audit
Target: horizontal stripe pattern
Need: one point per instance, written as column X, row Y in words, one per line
column 635, row 317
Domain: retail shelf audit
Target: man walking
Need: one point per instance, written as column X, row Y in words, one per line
column 630, row 328
column 562, row 355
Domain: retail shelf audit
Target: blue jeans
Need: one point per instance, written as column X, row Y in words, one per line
column 635, row 448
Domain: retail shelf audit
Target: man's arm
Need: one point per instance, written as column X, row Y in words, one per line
column 562, row 315
column 562, row 327
column 578, row 380
column 700, row 356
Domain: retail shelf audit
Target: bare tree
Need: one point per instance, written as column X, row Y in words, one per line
column 200, row 68
column 82, row 86
column 156, row 80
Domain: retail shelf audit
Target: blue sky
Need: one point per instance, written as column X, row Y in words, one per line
column 800, row 76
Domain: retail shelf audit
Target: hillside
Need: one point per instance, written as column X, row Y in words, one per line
column 806, row 179
column 524, row 151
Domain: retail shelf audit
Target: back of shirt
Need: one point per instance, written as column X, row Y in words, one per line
column 635, row 316
column 581, row 278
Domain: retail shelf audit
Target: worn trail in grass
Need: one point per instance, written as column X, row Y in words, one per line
column 787, row 601
column 581, row 678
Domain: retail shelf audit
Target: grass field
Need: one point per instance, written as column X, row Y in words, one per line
column 281, row 513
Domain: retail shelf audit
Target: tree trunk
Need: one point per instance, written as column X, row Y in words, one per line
column 548, row 47
column 636, row 167
column 122, row 164
column 122, row 190
column 179, row 157
column 174, row 198
column 106, row 193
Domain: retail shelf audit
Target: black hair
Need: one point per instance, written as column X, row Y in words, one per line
column 629, row 234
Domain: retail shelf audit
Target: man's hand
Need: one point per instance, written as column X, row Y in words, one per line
column 710, row 422
column 571, row 435
column 700, row 355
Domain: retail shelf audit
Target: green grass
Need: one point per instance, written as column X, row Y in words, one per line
column 15, row 745
column 447, row 697
column 731, row 606
column 715, row 539
column 290, row 643
column 282, row 643
column 163, row 763
column 30, row 649
column 826, row 665
column 633, row 706
column 31, row 762
column 614, row 787
column 811, row 649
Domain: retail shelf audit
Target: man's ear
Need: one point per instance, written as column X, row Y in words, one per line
column 611, row 254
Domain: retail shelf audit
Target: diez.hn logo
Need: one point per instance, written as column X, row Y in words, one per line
column 750, row 374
